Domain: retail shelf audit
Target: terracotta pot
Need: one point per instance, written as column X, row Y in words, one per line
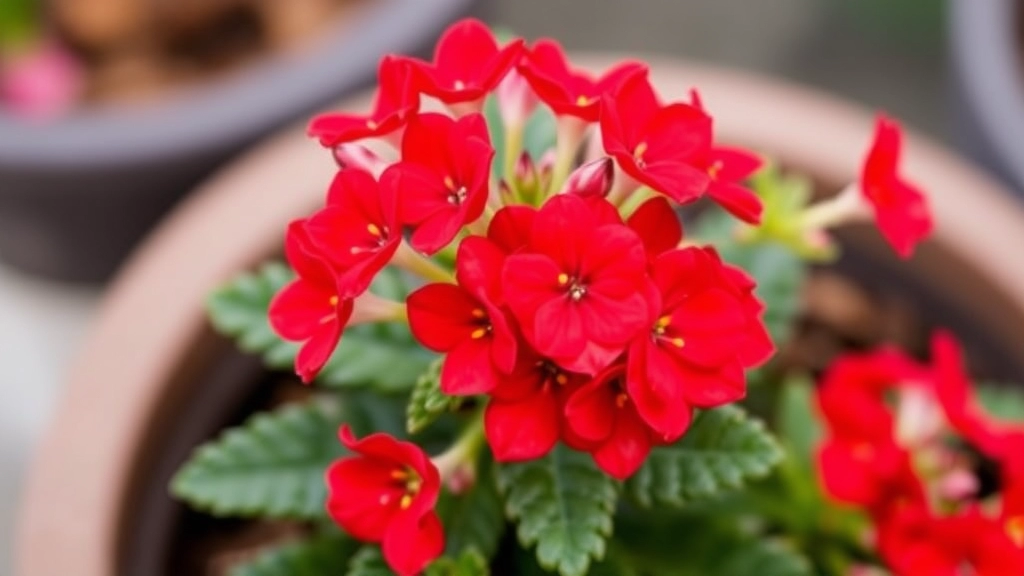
column 989, row 71
column 78, row 193
column 151, row 372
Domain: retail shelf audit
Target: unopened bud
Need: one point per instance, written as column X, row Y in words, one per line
column 516, row 99
column 357, row 156
column 591, row 179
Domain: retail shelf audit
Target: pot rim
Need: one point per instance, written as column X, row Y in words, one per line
column 237, row 107
column 77, row 523
column 988, row 59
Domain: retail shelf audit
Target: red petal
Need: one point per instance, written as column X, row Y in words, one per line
column 559, row 329
column 657, row 225
column 709, row 389
column 468, row 368
column 529, row 280
column 735, row 164
column 677, row 180
column 738, row 201
column 655, row 384
column 315, row 353
column 510, row 227
column 362, row 496
column 523, row 430
column 299, row 309
column 412, row 542
column 590, row 412
column 478, row 265
column 626, row 449
column 441, row 316
column 883, row 158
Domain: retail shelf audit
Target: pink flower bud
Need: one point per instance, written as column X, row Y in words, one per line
column 357, row 156
column 526, row 171
column 516, row 99
column 591, row 179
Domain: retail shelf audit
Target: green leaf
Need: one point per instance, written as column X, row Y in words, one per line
column 384, row 356
column 474, row 521
column 428, row 402
column 722, row 450
column 797, row 424
column 1002, row 401
column 563, row 504
column 324, row 555
column 368, row 561
column 271, row 466
column 701, row 544
column 468, row 563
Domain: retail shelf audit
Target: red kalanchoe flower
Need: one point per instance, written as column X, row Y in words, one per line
column 468, row 63
column 862, row 460
column 310, row 309
column 704, row 329
column 657, row 225
column 386, row 492
column 568, row 91
column 358, row 230
column 659, row 146
column 604, row 414
column 524, row 416
column 465, row 321
column 577, row 287
column 510, row 228
column 443, row 178
column 397, row 101
column 901, row 210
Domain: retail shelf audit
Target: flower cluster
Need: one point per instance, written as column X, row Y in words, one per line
column 942, row 482
column 561, row 292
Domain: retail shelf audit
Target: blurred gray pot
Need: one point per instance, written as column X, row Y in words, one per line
column 76, row 194
column 986, row 45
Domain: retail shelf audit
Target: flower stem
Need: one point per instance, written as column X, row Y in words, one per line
column 570, row 135
column 847, row 206
column 411, row 260
column 513, row 148
column 457, row 465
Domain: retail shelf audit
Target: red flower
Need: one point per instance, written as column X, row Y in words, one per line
column 659, row 146
column 309, row 309
column 861, row 461
column 524, row 418
column 657, row 225
column 468, row 63
column 703, row 331
column 442, row 180
column 397, row 101
column 567, row 91
column 901, row 210
column 510, row 228
column 386, row 493
column 604, row 414
column 577, row 287
column 358, row 230
column 465, row 321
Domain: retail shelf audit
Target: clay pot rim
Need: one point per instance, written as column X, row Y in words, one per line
column 209, row 117
column 75, row 502
column 987, row 56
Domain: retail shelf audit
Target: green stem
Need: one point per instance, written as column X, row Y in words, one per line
column 634, row 200
column 844, row 207
column 461, row 457
column 513, row 149
column 411, row 260
column 570, row 135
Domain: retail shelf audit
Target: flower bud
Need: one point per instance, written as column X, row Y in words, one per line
column 516, row 99
column 357, row 156
column 591, row 179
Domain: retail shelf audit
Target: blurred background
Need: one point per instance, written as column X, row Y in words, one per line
column 77, row 140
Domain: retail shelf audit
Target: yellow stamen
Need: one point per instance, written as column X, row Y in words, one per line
column 563, row 279
column 406, row 501
column 678, row 342
column 582, row 100
column 333, row 301
column 621, row 399
column 478, row 333
column 400, row 474
column 479, row 313
column 449, row 183
column 372, row 124
column 640, row 150
column 562, row 379
column 1015, row 530
column 662, row 324
column 373, row 229
column 714, row 169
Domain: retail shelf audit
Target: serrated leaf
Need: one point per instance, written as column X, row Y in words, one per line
column 325, row 555
column 368, row 561
column 468, row 563
column 563, row 504
column 384, row 356
column 474, row 521
column 1002, row 401
column 271, row 466
column 428, row 402
column 722, row 450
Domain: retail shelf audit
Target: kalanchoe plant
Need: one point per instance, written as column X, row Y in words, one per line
column 509, row 330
